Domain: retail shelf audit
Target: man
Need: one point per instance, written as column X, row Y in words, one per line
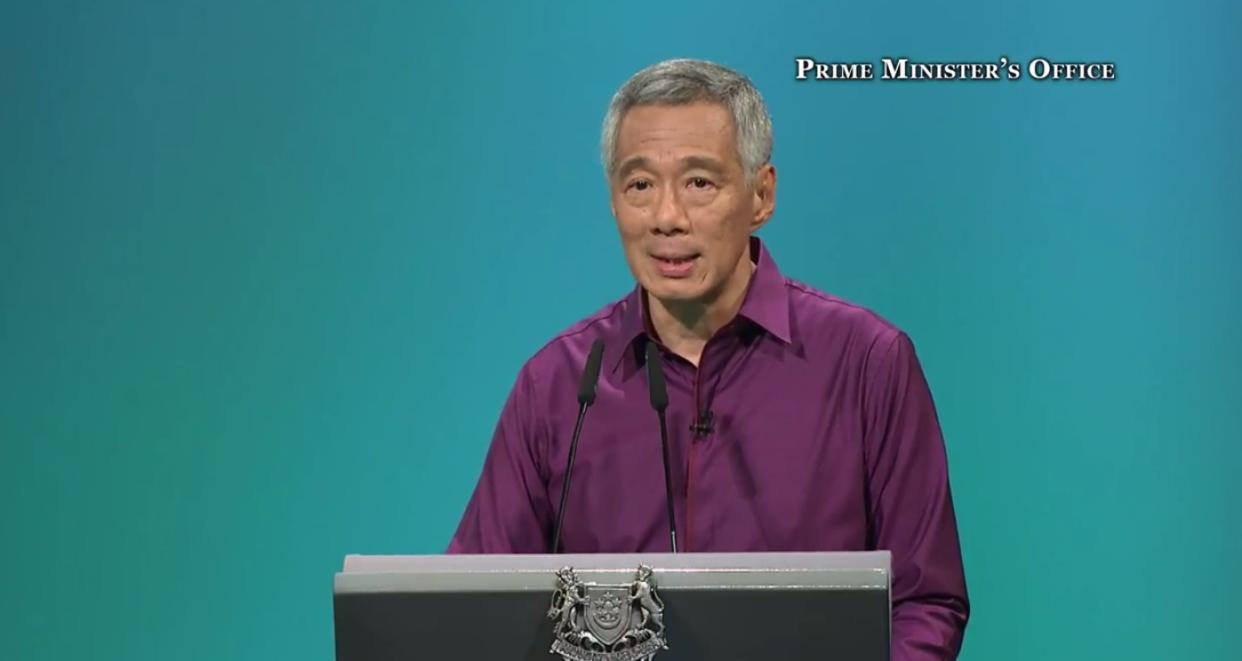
column 797, row 421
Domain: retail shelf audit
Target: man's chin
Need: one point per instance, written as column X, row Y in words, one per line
column 676, row 292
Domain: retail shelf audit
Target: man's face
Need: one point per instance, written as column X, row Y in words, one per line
column 682, row 204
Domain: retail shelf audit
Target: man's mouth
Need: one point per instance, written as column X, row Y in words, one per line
column 675, row 265
column 676, row 259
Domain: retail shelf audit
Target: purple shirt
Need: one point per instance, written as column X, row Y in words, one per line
column 824, row 438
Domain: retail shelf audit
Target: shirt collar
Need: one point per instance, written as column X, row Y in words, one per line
column 766, row 304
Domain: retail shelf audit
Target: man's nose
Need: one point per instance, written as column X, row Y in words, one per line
column 670, row 216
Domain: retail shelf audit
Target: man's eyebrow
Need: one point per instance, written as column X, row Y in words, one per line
column 687, row 163
column 703, row 163
column 631, row 164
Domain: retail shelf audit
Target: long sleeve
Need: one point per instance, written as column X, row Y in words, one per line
column 911, row 508
column 509, row 511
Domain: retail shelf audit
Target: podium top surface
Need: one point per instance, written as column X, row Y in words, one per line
column 699, row 571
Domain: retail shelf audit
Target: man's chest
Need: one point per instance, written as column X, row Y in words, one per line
column 776, row 469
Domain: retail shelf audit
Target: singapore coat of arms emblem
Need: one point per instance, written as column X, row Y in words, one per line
column 594, row 622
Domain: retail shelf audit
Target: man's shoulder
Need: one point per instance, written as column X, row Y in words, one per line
column 569, row 347
column 820, row 316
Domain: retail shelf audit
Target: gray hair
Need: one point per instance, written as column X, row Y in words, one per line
column 679, row 82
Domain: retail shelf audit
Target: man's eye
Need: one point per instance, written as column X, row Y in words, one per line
column 640, row 185
column 700, row 183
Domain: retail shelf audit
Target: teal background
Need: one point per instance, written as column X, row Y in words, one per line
column 268, row 271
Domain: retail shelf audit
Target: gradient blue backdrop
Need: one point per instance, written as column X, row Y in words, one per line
column 268, row 271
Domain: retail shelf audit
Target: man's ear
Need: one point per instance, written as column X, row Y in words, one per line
column 612, row 199
column 764, row 196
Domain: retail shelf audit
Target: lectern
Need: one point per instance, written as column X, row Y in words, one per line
column 622, row 607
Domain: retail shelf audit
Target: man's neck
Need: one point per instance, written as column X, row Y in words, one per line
column 686, row 326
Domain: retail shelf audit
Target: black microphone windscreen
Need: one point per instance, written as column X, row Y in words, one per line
column 590, row 374
column 655, row 378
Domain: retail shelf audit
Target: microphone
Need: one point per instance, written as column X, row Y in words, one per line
column 659, row 402
column 703, row 425
column 586, row 397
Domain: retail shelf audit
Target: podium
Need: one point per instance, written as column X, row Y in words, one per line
column 614, row 607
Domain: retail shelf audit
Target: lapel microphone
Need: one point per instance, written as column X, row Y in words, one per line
column 703, row 425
